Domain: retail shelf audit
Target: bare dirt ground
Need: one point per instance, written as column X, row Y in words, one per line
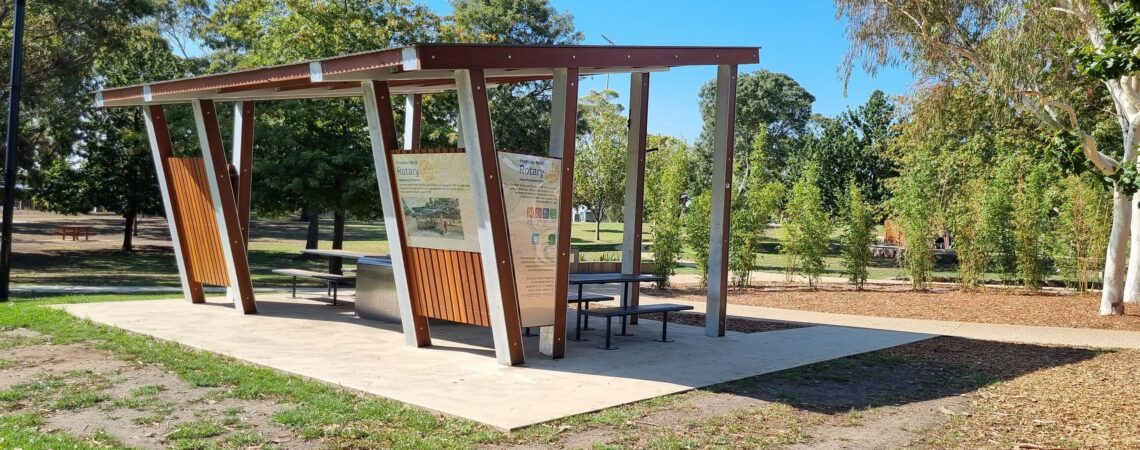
column 89, row 392
column 940, row 393
column 1055, row 308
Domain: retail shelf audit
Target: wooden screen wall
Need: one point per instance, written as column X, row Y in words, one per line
column 447, row 284
column 191, row 197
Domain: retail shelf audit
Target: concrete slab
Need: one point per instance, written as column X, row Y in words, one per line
column 458, row 375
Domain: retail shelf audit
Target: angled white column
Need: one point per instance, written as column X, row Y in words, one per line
column 159, row 140
column 414, row 335
column 634, row 206
column 723, row 139
column 412, row 115
column 494, row 244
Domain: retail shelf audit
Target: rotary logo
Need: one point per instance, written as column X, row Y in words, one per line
column 551, row 176
column 427, row 171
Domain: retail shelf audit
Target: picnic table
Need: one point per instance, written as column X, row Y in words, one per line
column 74, row 231
column 335, row 256
column 332, row 277
column 626, row 279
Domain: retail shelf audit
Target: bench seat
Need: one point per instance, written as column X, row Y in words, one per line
column 623, row 311
column 639, row 309
column 333, row 279
column 588, row 297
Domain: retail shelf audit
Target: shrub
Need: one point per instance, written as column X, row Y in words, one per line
column 808, row 226
column 697, row 232
column 966, row 212
column 995, row 233
column 912, row 205
column 667, row 225
column 1031, row 226
column 1082, row 230
column 752, row 209
column 858, row 236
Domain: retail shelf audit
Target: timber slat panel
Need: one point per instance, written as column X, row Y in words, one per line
column 447, row 284
column 204, row 244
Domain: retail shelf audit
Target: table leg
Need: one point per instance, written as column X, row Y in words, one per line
column 664, row 324
column 294, row 287
column 334, row 287
column 586, row 320
column 578, row 326
column 623, row 332
column 624, row 319
column 608, row 334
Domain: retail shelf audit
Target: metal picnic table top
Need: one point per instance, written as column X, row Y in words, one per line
column 341, row 253
column 605, row 278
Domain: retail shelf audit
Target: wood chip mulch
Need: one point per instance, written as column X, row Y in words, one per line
column 995, row 305
column 1042, row 396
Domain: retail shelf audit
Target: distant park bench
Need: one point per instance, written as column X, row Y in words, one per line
column 623, row 311
column 332, row 279
column 74, row 232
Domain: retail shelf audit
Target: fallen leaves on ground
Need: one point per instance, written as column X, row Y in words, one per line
column 995, row 305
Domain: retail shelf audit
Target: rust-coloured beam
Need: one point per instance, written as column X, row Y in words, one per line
column 243, row 162
column 568, row 136
column 461, row 56
column 225, row 203
column 162, row 152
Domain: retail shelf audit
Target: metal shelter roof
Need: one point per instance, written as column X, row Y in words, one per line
column 420, row 68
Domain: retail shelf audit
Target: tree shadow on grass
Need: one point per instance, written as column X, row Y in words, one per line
column 927, row 370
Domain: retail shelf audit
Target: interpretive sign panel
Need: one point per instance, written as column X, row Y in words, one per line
column 531, row 186
column 436, row 199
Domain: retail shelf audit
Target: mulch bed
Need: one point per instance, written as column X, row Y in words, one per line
column 1046, row 397
column 737, row 324
column 995, row 305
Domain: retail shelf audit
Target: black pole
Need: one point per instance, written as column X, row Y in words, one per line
column 10, row 158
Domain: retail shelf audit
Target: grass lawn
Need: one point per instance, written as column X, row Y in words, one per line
column 40, row 257
column 69, row 383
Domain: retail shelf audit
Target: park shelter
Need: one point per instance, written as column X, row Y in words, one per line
column 207, row 203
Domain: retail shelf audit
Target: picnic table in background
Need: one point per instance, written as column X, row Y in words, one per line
column 74, row 231
column 337, row 256
column 582, row 279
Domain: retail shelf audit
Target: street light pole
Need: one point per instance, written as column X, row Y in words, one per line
column 10, row 153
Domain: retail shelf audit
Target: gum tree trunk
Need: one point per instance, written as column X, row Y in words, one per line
column 1132, row 284
column 1112, row 297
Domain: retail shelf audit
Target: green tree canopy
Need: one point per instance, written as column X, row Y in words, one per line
column 764, row 100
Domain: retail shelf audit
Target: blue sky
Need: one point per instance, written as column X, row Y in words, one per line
column 800, row 38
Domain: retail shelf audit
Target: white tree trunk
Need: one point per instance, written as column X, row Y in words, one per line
column 1132, row 283
column 1112, row 296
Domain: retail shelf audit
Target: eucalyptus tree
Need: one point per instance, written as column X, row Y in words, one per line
column 1032, row 53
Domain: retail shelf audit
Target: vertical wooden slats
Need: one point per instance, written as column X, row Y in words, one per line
column 447, row 284
column 192, row 196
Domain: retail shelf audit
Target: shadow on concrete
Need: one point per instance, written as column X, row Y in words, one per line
column 937, row 368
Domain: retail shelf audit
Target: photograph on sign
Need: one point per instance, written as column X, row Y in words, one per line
column 436, row 201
